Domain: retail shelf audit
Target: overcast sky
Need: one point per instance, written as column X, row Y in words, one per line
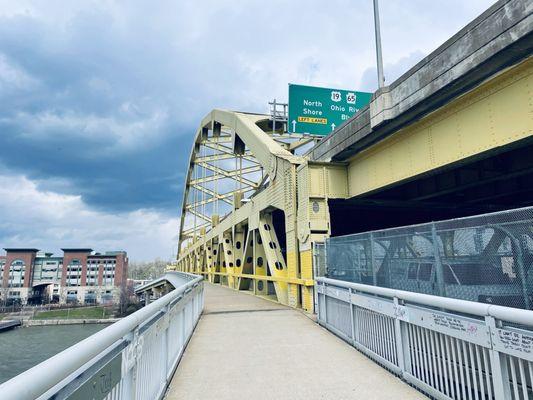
column 99, row 100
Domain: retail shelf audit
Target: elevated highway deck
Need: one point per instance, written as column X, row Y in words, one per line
column 248, row 347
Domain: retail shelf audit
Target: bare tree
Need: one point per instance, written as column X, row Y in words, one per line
column 147, row 270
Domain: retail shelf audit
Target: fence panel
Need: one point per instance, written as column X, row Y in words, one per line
column 485, row 258
column 448, row 348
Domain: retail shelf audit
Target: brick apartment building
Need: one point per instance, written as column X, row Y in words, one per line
column 32, row 276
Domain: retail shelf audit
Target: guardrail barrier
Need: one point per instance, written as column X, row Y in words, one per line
column 133, row 359
column 448, row 348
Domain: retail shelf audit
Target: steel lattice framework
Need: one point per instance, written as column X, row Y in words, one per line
column 240, row 173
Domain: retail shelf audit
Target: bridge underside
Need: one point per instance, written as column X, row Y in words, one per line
column 493, row 181
column 470, row 157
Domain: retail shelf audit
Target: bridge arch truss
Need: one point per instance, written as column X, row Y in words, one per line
column 238, row 222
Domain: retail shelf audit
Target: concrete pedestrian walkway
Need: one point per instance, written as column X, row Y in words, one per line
column 245, row 347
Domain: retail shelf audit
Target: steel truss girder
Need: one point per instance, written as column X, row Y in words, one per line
column 223, row 156
column 200, row 215
column 214, row 196
column 235, row 241
column 227, row 152
column 232, row 174
column 228, row 174
column 223, row 138
column 188, row 232
column 223, row 197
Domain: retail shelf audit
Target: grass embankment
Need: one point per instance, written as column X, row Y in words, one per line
column 76, row 313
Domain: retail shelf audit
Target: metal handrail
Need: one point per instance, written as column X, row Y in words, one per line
column 513, row 315
column 39, row 379
column 448, row 348
column 172, row 277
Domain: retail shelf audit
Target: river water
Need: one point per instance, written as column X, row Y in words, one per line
column 22, row 348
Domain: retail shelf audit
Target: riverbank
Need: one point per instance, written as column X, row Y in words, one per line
column 81, row 315
column 88, row 313
column 67, row 316
column 49, row 322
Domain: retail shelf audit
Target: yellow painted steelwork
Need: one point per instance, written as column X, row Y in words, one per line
column 496, row 113
column 240, row 247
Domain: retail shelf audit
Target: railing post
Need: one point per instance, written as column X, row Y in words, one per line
column 352, row 320
column 317, row 308
column 201, row 294
column 191, row 324
column 197, row 305
column 182, row 315
column 164, row 346
column 373, row 260
column 325, row 305
column 438, row 264
column 129, row 366
column 400, row 339
column 326, row 267
column 498, row 365
column 315, row 275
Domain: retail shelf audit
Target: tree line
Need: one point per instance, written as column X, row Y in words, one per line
column 147, row 269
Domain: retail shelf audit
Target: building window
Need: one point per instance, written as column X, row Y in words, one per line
column 17, row 269
column 74, row 273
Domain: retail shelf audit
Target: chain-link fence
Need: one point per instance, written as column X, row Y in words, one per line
column 485, row 258
column 319, row 259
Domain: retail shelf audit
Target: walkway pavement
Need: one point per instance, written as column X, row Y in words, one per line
column 245, row 347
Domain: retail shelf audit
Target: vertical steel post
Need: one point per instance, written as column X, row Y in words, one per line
column 373, row 261
column 254, row 263
column 379, row 59
column 165, row 346
column 326, row 258
column 318, row 313
column 498, row 365
column 325, row 297
column 521, row 271
column 352, row 319
column 400, row 339
column 438, row 264
column 195, row 194
column 315, row 273
column 129, row 366
column 274, row 116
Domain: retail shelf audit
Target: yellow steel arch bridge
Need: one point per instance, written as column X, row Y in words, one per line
column 451, row 137
column 241, row 182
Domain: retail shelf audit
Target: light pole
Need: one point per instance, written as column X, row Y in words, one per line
column 381, row 78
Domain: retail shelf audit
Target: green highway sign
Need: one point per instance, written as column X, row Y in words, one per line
column 319, row 111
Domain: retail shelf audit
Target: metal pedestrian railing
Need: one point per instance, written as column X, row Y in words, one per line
column 133, row 359
column 448, row 348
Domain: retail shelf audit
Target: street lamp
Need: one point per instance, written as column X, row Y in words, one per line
column 381, row 78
